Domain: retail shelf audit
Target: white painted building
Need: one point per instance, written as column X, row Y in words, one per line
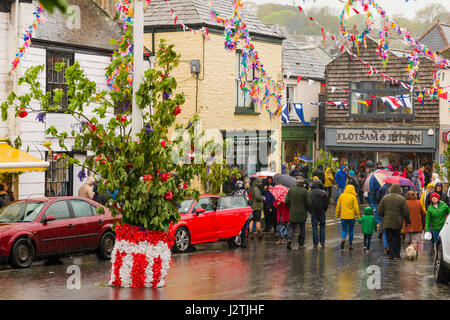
column 86, row 40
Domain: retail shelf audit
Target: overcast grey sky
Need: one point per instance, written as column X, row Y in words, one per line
column 392, row 7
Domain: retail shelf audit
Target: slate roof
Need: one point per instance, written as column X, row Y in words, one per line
column 308, row 62
column 97, row 29
column 194, row 13
column 437, row 38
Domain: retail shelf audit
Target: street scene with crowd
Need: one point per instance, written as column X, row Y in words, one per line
column 223, row 150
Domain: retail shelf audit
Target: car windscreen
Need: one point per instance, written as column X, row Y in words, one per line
column 232, row 202
column 20, row 212
column 185, row 206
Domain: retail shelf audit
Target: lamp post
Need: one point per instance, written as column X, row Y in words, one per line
column 138, row 68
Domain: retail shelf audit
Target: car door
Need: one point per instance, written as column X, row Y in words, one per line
column 87, row 225
column 52, row 235
column 203, row 225
column 230, row 216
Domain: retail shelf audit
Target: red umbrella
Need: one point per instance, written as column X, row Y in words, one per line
column 279, row 192
column 400, row 180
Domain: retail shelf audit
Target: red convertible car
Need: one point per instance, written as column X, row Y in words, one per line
column 39, row 229
column 211, row 218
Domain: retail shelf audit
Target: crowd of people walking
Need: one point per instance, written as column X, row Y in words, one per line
column 392, row 210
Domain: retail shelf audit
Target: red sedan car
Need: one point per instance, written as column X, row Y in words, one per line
column 211, row 218
column 39, row 229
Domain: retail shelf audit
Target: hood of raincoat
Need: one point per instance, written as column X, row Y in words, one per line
column 350, row 189
column 395, row 188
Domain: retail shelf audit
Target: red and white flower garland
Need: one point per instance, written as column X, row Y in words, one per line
column 140, row 258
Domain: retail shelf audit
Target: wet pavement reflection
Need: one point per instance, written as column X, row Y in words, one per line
column 264, row 270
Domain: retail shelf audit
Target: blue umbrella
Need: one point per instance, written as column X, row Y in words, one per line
column 305, row 159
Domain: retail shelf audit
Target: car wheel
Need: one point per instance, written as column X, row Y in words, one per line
column 441, row 275
column 235, row 242
column 22, row 253
column 106, row 246
column 182, row 240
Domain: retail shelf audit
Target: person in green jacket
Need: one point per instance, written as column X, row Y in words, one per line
column 257, row 207
column 299, row 203
column 369, row 226
column 436, row 214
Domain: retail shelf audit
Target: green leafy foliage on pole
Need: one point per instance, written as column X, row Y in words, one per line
column 140, row 179
column 325, row 158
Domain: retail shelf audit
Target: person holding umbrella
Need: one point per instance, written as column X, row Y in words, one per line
column 393, row 209
column 279, row 192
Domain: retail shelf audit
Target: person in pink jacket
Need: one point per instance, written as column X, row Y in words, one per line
column 282, row 220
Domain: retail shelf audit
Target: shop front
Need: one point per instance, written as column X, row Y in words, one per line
column 297, row 141
column 361, row 147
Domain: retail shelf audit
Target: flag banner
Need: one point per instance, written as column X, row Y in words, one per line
column 405, row 101
column 310, row 82
column 299, row 109
column 339, row 104
column 420, row 98
column 285, row 114
column 367, row 103
column 392, row 102
column 316, row 103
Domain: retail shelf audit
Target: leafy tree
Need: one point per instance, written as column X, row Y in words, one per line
column 142, row 182
column 326, row 160
column 50, row 5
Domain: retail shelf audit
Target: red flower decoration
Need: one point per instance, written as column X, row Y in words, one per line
column 135, row 235
column 168, row 196
column 23, row 113
column 122, row 119
column 138, row 276
column 177, row 111
column 92, row 126
column 97, row 158
column 165, row 176
column 164, row 142
column 148, row 177
column 157, row 266
column 57, row 156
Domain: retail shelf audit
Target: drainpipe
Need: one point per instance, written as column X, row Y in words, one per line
column 12, row 122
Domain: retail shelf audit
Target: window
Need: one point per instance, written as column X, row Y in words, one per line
column 243, row 100
column 290, row 99
column 59, row 209
column 58, row 178
column 55, row 79
column 81, row 208
column 365, row 99
column 232, row 202
column 21, row 211
column 209, row 204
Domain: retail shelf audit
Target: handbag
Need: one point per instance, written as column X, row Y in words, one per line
column 427, row 235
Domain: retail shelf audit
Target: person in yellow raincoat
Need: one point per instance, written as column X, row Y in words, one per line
column 348, row 209
column 429, row 190
column 329, row 181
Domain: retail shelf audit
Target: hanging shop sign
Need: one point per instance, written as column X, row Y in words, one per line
column 409, row 137
column 447, row 136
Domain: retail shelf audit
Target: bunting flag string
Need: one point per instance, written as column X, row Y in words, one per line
column 262, row 84
column 28, row 35
column 412, row 68
column 176, row 18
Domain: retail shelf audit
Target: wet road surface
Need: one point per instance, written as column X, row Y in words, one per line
column 263, row 270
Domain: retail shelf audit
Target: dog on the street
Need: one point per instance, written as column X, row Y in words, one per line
column 411, row 252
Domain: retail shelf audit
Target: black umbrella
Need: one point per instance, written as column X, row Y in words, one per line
column 285, row 180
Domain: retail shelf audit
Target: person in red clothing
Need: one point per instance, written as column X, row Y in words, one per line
column 421, row 175
column 283, row 220
column 416, row 213
column 400, row 172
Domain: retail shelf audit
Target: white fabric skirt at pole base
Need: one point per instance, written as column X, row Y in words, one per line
column 140, row 258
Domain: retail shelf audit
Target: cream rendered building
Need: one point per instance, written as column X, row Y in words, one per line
column 214, row 92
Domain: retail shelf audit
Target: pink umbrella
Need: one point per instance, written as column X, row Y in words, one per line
column 379, row 175
column 400, row 180
column 279, row 192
